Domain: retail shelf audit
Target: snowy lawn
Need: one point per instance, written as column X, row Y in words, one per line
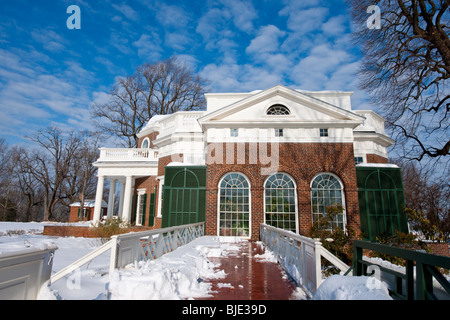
column 182, row 274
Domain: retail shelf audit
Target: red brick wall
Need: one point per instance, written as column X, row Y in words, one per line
column 152, row 136
column 73, row 215
column 85, row 232
column 300, row 160
column 374, row 158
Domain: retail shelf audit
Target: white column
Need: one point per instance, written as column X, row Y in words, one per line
column 122, row 192
column 112, row 192
column 98, row 200
column 126, row 213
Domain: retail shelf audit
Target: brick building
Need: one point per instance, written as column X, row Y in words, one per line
column 278, row 156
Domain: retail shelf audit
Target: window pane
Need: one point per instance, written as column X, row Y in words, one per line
column 280, row 202
column 234, row 209
column 326, row 191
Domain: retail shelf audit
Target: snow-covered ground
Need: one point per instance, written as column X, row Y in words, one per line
column 182, row 274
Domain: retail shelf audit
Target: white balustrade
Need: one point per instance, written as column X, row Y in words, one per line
column 138, row 246
column 127, row 154
column 299, row 256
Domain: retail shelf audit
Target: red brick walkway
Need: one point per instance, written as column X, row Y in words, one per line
column 250, row 278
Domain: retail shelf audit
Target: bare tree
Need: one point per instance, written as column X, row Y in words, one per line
column 406, row 71
column 161, row 88
column 50, row 164
column 427, row 200
column 82, row 181
column 28, row 191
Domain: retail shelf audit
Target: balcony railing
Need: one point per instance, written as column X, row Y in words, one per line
column 124, row 154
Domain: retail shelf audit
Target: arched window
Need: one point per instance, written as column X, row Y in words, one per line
column 326, row 191
column 280, row 207
column 278, row 110
column 234, row 205
column 145, row 143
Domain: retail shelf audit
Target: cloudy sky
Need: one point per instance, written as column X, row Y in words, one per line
column 49, row 74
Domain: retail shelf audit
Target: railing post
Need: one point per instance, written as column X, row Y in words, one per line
column 409, row 279
column 114, row 255
column 357, row 257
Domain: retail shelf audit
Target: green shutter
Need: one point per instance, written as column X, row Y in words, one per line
column 381, row 198
column 151, row 213
column 184, row 195
column 144, row 209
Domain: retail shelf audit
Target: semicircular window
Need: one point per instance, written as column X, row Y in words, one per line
column 278, row 110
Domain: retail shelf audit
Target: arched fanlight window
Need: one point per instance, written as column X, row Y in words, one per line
column 234, row 210
column 278, row 110
column 280, row 206
column 145, row 143
column 326, row 191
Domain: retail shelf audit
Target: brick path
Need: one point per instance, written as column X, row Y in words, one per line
column 250, row 278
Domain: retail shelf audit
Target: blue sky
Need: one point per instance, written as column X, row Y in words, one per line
column 50, row 75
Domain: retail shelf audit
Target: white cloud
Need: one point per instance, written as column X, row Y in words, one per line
column 315, row 70
column 212, row 24
column 172, row 16
column 335, row 25
column 49, row 39
column 305, row 21
column 127, row 11
column 266, row 41
column 31, row 97
column 177, row 40
column 239, row 78
column 149, row 47
column 243, row 13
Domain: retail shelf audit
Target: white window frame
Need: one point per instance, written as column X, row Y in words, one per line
column 160, row 196
column 295, row 198
column 324, row 132
column 249, row 202
column 140, row 192
column 344, row 212
column 279, row 132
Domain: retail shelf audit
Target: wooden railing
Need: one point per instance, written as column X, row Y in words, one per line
column 138, row 246
column 299, row 256
column 421, row 284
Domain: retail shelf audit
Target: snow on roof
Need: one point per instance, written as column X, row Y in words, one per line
column 88, row 204
column 155, row 119
column 379, row 165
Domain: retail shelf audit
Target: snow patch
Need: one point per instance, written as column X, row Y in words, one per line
column 338, row 287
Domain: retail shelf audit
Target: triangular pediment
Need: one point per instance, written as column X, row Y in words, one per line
column 303, row 109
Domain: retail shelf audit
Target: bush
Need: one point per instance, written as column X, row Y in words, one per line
column 401, row 240
column 334, row 239
column 110, row 227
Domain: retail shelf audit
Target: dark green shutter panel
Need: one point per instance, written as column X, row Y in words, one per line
column 381, row 201
column 144, row 209
column 184, row 195
column 151, row 214
column 134, row 211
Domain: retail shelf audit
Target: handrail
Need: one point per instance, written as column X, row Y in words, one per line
column 152, row 244
column 299, row 256
column 425, row 264
column 82, row 261
column 137, row 246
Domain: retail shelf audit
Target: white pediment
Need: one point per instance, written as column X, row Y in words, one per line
column 304, row 110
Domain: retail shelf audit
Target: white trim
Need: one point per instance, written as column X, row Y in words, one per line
column 249, row 203
column 160, row 193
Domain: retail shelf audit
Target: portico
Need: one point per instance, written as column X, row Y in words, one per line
column 122, row 166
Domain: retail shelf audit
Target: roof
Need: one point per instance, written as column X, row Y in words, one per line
column 88, row 204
